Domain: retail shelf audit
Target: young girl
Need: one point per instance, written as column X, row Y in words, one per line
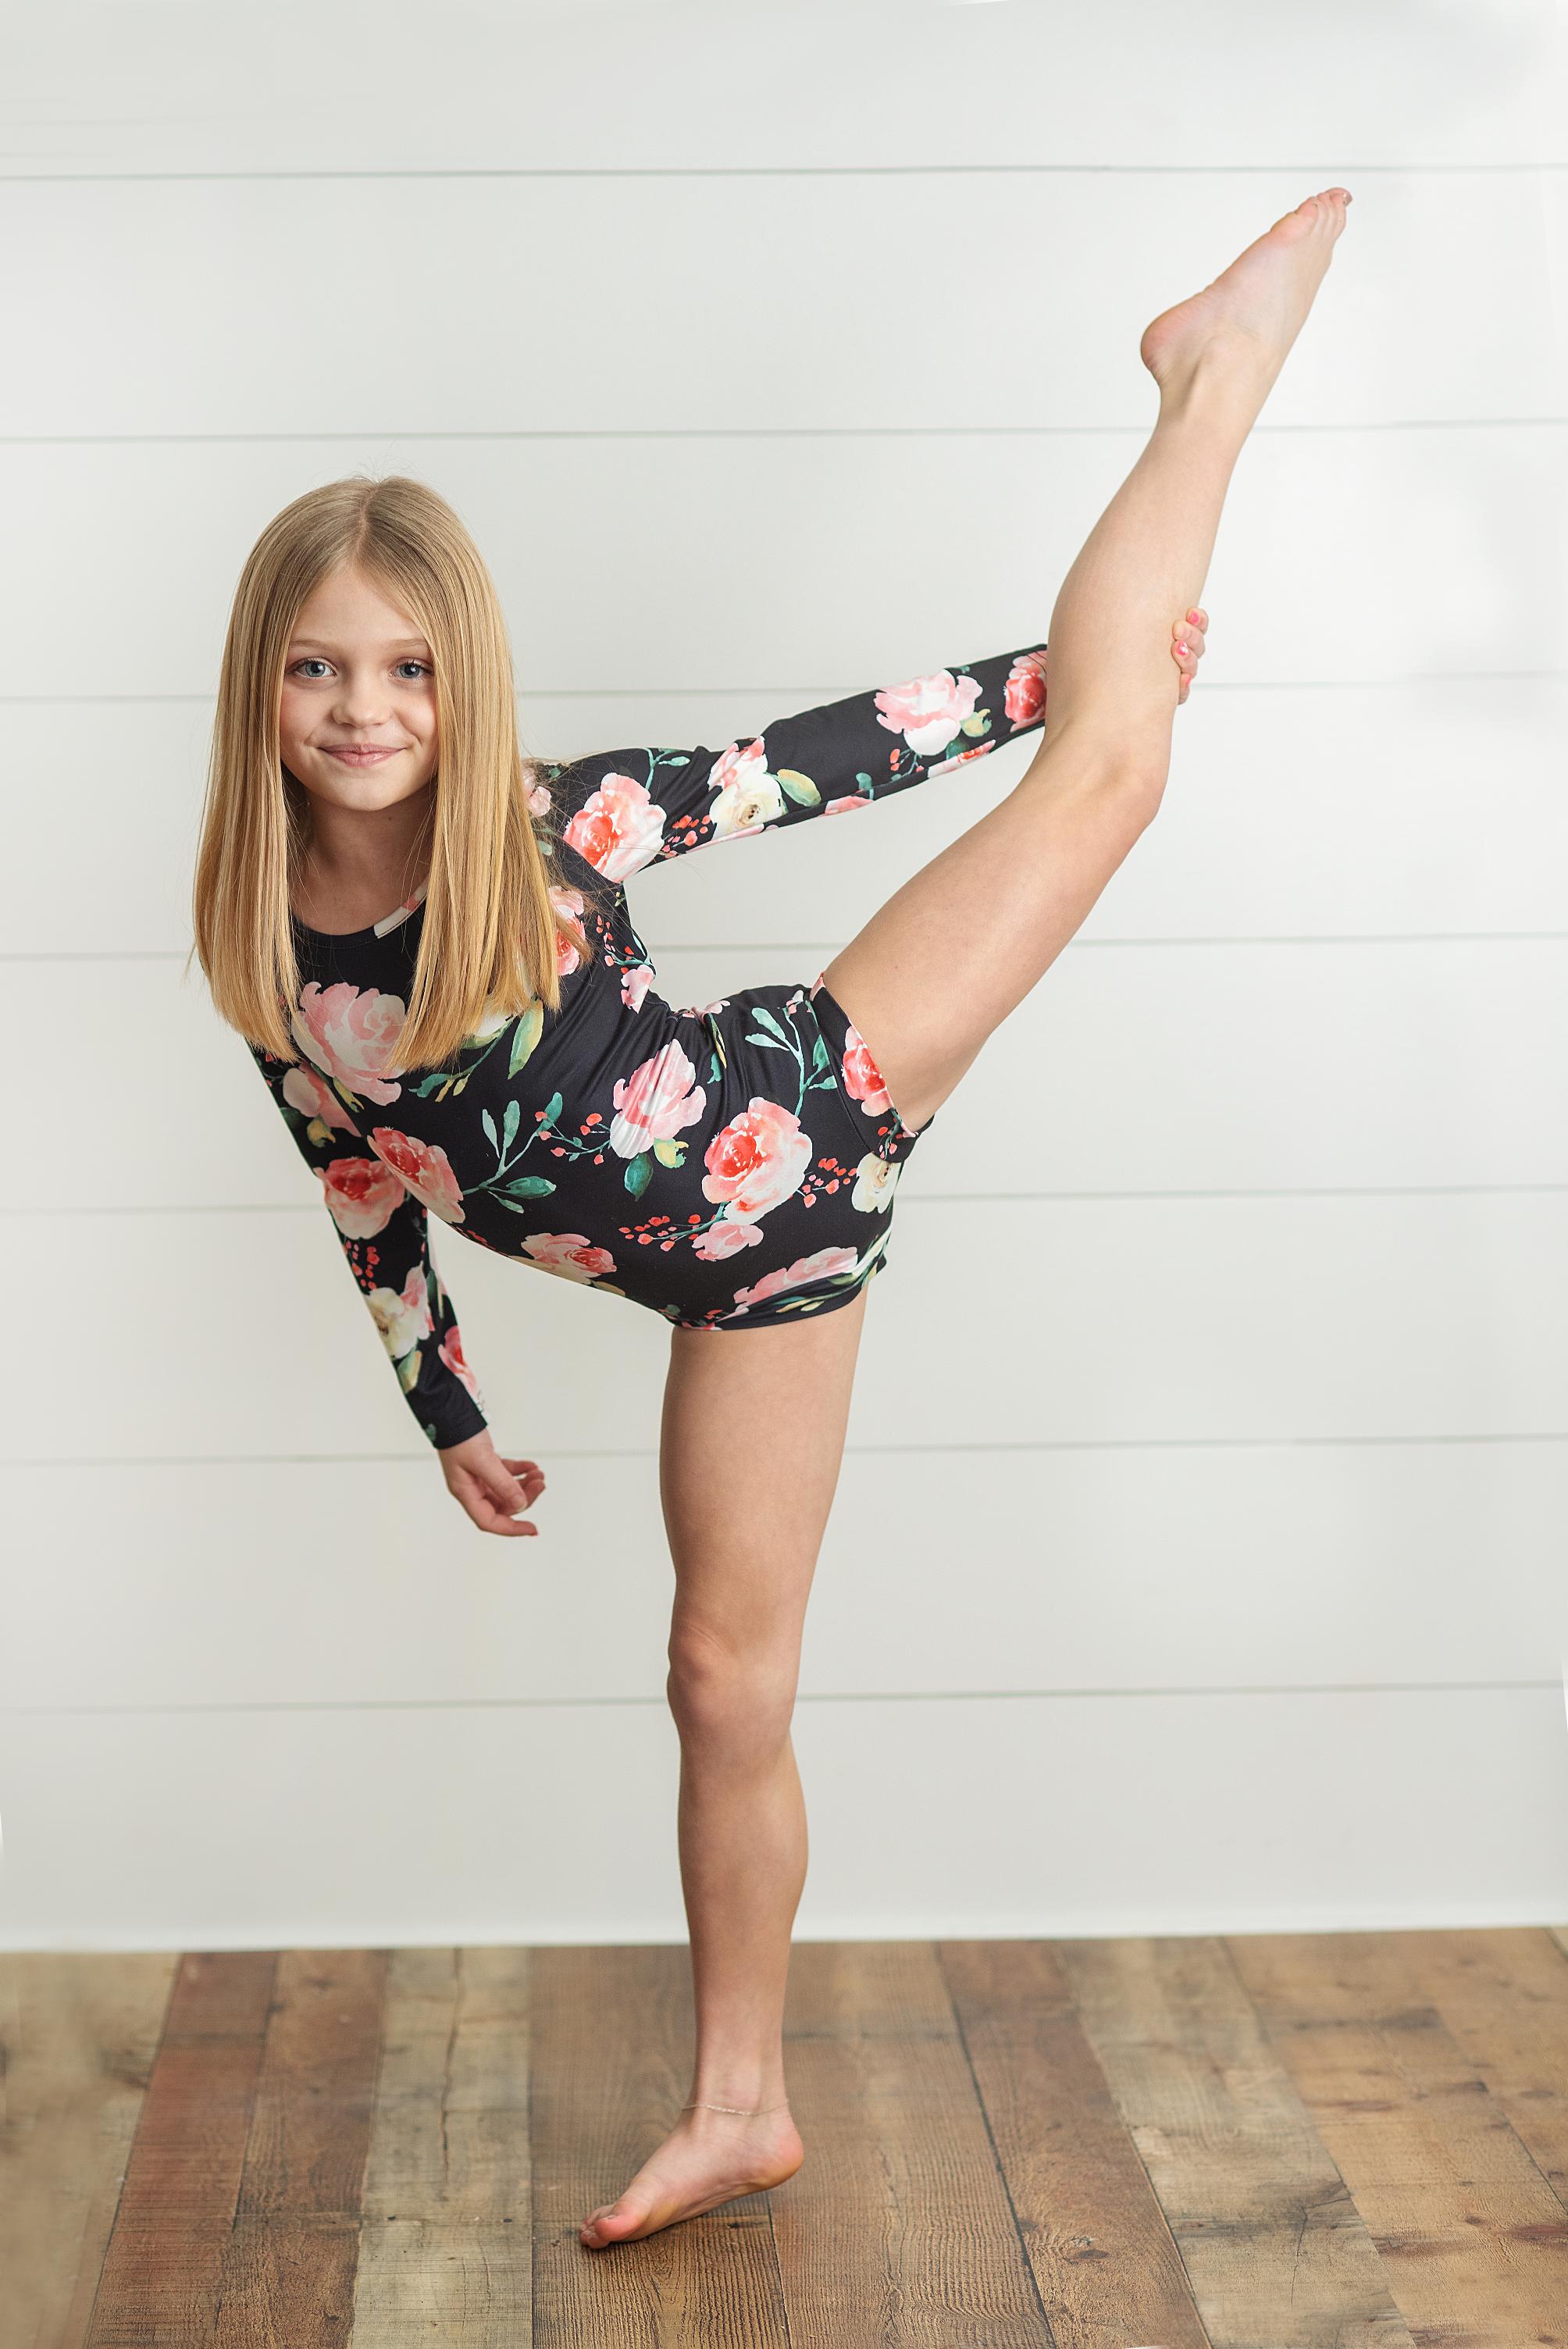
column 426, row 942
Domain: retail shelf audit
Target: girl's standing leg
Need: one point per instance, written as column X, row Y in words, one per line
column 952, row 952
column 752, row 1438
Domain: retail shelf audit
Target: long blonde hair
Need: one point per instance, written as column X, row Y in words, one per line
column 490, row 934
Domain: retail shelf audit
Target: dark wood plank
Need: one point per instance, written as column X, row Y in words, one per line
column 445, row 2240
column 1108, row 2269
column 77, row 2038
column 1473, row 2240
column 289, row 2267
column 163, row 2267
column 899, row 2227
column 1505, row 1996
column 311, row 2128
column 612, row 2065
column 1270, row 2238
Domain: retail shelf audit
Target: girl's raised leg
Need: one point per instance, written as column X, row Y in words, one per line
column 752, row 1438
column 952, row 952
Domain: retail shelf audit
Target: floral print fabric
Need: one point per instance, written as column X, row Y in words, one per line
column 729, row 1166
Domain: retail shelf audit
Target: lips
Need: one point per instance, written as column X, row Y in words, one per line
column 360, row 754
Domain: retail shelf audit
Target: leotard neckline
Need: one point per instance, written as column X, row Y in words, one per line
column 372, row 929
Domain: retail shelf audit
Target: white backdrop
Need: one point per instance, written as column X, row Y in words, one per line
column 1198, row 1558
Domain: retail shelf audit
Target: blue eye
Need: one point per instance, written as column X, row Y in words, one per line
column 309, row 659
column 412, row 663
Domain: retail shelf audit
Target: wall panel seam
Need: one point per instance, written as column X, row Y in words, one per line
column 53, row 1462
column 826, row 1696
column 789, row 172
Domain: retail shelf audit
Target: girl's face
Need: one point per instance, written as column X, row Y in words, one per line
column 357, row 715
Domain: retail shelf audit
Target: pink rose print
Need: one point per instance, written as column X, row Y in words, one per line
column 303, row 1089
column 538, row 805
column 820, row 1267
column 450, row 1351
column 759, row 1159
column 568, row 1254
column 402, row 1315
column 929, row 710
column 634, row 985
column 655, row 1102
column 1025, row 694
column 362, row 1196
column 749, row 796
column 566, row 902
column 701, row 1011
column 850, row 800
column 424, row 1167
column 863, row 1079
column 618, row 829
column 351, row 1033
column 725, row 1238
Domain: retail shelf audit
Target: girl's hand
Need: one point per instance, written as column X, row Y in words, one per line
column 1187, row 649
column 492, row 1490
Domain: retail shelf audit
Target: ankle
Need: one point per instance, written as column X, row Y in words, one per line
column 1216, row 397
column 738, row 2092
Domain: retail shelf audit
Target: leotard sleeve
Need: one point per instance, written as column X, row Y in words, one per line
column 384, row 1231
column 624, row 810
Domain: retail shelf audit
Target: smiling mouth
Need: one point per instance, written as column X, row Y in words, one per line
column 361, row 754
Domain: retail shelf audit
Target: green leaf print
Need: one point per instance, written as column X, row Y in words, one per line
column 508, row 1131
column 530, row 1186
column 670, row 1154
column 551, row 1109
column 799, row 787
column 639, row 1174
column 525, row 1035
column 766, row 1019
column 979, row 723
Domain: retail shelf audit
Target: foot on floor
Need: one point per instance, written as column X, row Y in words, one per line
column 708, row 2158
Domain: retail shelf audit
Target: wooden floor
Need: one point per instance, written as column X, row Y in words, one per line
column 1266, row 2142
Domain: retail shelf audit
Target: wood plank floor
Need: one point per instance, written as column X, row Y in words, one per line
column 1314, row 2141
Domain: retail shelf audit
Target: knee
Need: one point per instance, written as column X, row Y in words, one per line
column 1117, row 768
column 725, row 1694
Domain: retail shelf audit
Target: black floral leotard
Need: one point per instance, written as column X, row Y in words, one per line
column 729, row 1166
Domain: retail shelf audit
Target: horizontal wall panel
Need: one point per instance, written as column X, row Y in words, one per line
column 727, row 294
column 1290, row 812
column 269, row 1582
column 703, row 85
column 239, row 1334
column 1154, row 1068
column 655, row 562
column 1154, row 1814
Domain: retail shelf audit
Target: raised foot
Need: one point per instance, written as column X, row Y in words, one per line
column 708, row 2158
column 1237, row 331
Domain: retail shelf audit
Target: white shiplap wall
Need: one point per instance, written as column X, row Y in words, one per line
column 1197, row 1560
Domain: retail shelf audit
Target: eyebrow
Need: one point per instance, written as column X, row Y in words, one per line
column 392, row 644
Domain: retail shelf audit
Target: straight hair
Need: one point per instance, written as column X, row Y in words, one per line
column 492, row 941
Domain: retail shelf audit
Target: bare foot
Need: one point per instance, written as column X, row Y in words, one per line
column 1238, row 330
column 708, row 2158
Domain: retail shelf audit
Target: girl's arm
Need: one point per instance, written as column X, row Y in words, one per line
column 384, row 1231
column 623, row 809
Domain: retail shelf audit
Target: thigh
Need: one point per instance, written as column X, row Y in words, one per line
column 941, row 964
column 752, row 1437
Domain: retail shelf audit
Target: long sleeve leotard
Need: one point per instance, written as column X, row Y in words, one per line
column 727, row 1166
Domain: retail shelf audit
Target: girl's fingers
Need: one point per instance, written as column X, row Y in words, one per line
column 492, row 1507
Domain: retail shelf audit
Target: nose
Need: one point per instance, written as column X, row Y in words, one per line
column 360, row 701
